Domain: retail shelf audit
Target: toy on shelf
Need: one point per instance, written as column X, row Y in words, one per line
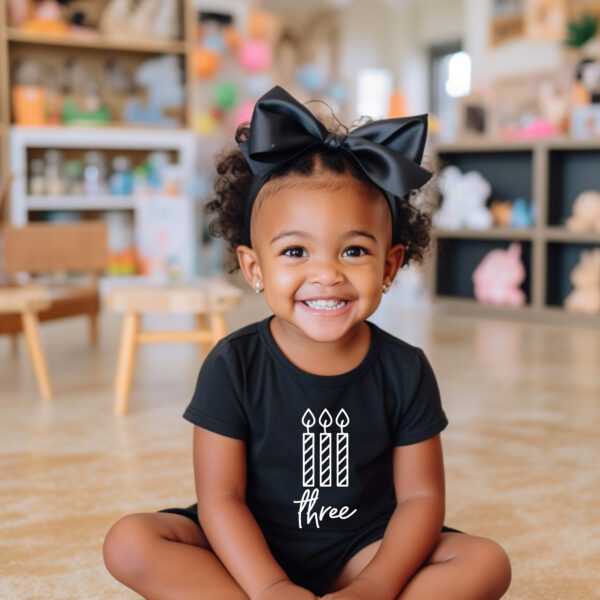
column 146, row 19
column 53, row 173
column 164, row 93
column 502, row 211
column 586, row 212
column 29, row 93
column 498, row 277
column 37, row 181
column 522, row 214
column 464, row 198
column 122, row 259
column 585, row 277
column 48, row 19
column 121, row 180
column 155, row 19
column 94, row 173
column 83, row 103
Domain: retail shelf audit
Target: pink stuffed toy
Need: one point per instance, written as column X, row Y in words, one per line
column 498, row 277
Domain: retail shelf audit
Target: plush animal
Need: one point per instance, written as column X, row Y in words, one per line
column 146, row 19
column 498, row 277
column 161, row 77
column 585, row 277
column 586, row 212
column 464, row 200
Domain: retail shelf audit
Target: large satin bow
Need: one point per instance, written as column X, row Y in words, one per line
column 387, row 151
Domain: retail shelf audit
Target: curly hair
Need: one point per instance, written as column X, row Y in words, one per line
column 234, row 178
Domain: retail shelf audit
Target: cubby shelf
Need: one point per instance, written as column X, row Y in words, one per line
column 99, row 43
column 89, row 203
column 549, row 173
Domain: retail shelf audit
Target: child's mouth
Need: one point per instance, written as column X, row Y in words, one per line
column 326, row 306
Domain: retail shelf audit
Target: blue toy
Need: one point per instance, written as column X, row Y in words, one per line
column 522, row 214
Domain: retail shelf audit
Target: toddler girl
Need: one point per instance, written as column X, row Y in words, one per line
column 317, row 454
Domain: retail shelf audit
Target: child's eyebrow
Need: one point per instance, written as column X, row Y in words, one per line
column 348, row 234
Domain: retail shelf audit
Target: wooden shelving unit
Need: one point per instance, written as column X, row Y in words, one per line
column 99, row 43
column 16, row 44
column 19, row 144
column 550, row 174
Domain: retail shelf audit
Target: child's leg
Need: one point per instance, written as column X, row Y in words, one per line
column 162, row 555
column 461, row 567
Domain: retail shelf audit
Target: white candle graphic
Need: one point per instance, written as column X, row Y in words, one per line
column 308, row 449
column 342, row 458
column 325, row 420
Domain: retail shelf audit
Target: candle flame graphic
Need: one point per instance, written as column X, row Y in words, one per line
column 342, row 418
column 325, row 420
column 308, row 418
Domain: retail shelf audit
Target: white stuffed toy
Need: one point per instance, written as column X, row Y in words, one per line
column 464, row 200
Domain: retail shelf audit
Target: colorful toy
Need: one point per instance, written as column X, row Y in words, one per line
column 255, row 56
column 206, row 62
column 586, row 212
column 206, row 124
column 522, row 214
column 243, row 113
column 225, row 95
column 311, row 78
column 86, row 108
column 502, row 211
column 161, row 78
column 498, row 277
column 114, row 19
column 146, row 19
column 48, row 19
column 464, row 200
column 585, row 277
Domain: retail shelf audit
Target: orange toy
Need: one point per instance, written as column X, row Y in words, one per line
column 206, row 62
column 29, row 104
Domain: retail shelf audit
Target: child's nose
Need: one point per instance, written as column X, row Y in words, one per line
column 326, row 272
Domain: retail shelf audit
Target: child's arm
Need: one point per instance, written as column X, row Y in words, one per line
column 414, row 529
column 233, row 533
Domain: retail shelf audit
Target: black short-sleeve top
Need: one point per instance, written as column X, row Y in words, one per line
column 319, row 447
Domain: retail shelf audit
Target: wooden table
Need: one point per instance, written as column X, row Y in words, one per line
column 208, row 299
column 27, row 301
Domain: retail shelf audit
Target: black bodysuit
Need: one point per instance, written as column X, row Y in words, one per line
column 319, row 447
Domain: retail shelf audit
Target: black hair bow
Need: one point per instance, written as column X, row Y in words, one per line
column 388, row 151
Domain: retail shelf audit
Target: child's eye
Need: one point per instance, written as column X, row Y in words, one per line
column 355, row 251
column 294, row 251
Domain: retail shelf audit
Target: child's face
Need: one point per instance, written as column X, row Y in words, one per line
column 311, row 244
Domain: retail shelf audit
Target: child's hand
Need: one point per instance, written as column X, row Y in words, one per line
column 286, row 590
column 359, row 589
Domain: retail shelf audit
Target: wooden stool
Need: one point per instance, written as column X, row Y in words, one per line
column 208, row 299
column 27, row 301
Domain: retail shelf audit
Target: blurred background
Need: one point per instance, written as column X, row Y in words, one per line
column 115, row 110
column 112, row 114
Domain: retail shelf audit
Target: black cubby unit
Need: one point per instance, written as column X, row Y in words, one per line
column 495, row 166
column 570, row 172
column 561, row 259
column 457, row 259
column 548, row 173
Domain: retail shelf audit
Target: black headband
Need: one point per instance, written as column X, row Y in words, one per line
column 389, row 151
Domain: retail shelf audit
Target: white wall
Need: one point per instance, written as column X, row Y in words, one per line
column 396, row 35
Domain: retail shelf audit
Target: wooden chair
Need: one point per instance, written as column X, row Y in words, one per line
column 209, row 299
column 44, row 254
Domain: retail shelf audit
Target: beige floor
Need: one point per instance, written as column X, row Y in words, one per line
column 522, row 450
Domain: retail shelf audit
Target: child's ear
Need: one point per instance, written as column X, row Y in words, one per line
column 393, row 261
column 249, row 265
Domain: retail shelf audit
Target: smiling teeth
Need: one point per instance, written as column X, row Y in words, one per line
column 326, row 304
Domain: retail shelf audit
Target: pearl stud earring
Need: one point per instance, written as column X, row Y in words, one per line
column 386, row 287
column 258, row 286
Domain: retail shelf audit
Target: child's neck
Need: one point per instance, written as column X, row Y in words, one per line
column 322, row 358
